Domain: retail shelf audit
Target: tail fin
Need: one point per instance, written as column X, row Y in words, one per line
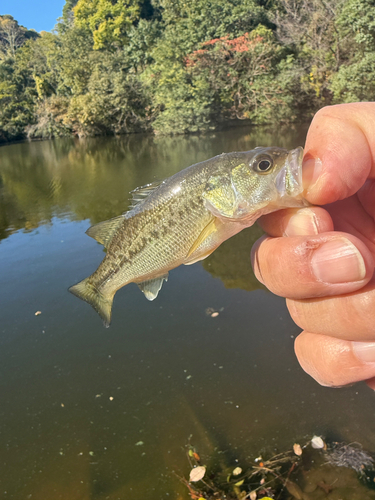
column 102, row 304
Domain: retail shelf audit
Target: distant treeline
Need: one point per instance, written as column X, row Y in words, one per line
column 177, row 66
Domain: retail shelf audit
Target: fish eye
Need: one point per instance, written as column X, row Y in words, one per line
column 263, row 164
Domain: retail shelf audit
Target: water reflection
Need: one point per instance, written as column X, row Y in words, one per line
column 91, row 179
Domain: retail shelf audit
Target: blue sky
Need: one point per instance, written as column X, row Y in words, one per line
column 39, row 15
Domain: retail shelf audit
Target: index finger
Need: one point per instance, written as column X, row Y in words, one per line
column 339, row 152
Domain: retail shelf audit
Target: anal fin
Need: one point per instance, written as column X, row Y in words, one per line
column 151, row 288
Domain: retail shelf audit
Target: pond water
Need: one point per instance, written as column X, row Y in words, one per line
column 94, row 413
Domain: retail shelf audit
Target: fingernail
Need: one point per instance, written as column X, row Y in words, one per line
column 364, row 351
column 301, row 223
column 338, row 261
column 311, row 170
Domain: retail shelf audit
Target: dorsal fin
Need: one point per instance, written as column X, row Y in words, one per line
column 141, row 193
column 104, row 231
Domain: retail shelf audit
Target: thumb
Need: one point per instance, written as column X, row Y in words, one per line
column 339, row 152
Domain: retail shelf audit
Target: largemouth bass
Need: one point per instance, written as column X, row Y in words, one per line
column 186, row 217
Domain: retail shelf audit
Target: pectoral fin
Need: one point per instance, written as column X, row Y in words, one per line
column 151, row 288
column 207, row 231
column 104, row 231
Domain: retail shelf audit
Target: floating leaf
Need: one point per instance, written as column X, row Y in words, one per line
column 317, row 443
column 237, row 471
column 197, row 473
column 240, row 483
column 297, row 449
column 191, row 453
column 253, row 495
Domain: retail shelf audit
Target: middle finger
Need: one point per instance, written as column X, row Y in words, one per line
column 347, row 317
column 299, row 267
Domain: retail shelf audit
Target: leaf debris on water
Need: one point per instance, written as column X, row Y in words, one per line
column 38, row 313
column 237, row 471
column 317, row 443
column 297, row 449
column 197, row 473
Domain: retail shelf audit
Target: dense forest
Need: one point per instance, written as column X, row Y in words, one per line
column 177, row 66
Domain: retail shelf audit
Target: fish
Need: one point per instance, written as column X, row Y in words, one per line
column 184, row 218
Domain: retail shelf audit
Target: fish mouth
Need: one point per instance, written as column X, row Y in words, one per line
column 288, row 181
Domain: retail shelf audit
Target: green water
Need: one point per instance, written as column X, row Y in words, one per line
column 94, row 413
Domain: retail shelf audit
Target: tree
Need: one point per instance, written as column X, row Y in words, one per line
column 354, row 80
column 115, row 101
column 308, row 28
column 16, row 101
column 190, row 22
column 67, row 12
column 183, row 103
column 108, row 21
column 356, row 22
column 243, row 76
column 12, row 36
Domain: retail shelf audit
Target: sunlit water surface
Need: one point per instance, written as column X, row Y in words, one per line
column 94, row 413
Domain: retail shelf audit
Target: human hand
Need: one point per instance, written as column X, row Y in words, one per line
column 325, row 265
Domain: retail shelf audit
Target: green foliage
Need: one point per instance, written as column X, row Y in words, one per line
column 142, row 39
column 115, row 103
column 355, row 78
column 179, row 105
column 190, row 22
column 242, row 74
column 355, row 82
column 50, row 115
column 108, row 21
column 16, row 101
column 68, row 9
column 357, row 20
